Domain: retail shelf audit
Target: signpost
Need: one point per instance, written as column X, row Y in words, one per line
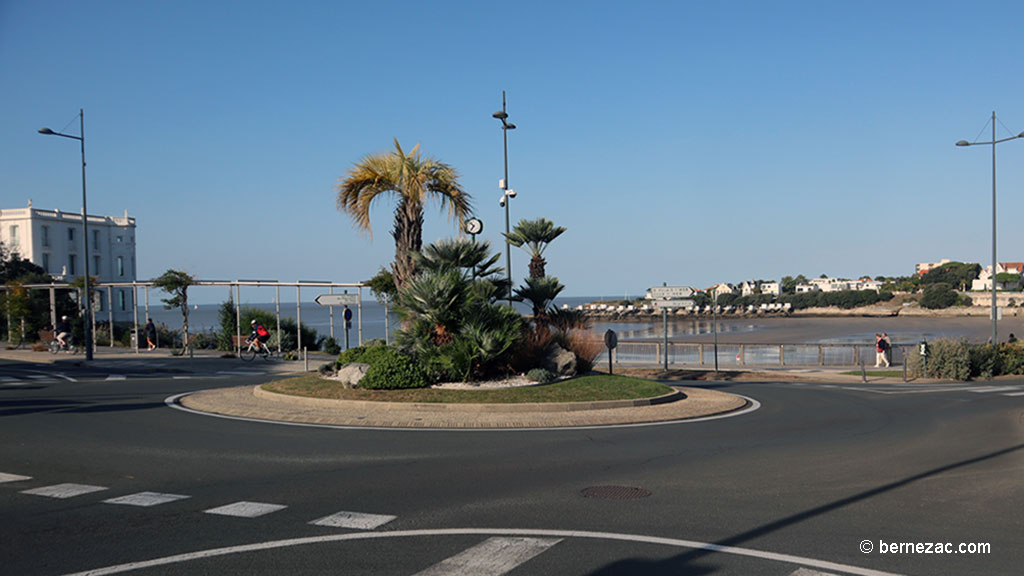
column 611, row 340
column 347, row 314
column 665, row 305
column 338, row 299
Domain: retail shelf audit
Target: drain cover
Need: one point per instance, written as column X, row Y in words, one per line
column 615, row 492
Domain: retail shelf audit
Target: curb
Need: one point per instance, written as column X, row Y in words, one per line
column 673, row 396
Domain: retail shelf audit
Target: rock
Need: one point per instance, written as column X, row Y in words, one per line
column 560, row 361
column 351, row 374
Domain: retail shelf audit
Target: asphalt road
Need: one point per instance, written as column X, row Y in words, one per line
column 795, row 488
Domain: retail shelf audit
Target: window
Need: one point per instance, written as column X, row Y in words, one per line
column 122, row 300
column 95, row 240
column 120, row 239
column 14, row 235
column 46, row 236
column 72, row 269
column 71, row 234
column 120, row 266
column 46, row 262
column 96, row 265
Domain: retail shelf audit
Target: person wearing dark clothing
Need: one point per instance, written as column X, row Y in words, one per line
column 150, row 332
column 63, row 331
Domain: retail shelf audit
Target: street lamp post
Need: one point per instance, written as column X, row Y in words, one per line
column 995, row 338
column 508, row 193
column 85, row 231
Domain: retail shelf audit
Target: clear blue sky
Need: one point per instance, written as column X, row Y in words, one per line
column 681, row 142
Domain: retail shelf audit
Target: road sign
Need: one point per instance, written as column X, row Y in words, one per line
column 338, row 299
column 671, row 303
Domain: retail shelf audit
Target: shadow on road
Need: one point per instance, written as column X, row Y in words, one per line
column 688, row 563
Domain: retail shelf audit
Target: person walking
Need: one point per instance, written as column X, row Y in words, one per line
column 880, row 349
column 888, row 349
column 150, row 332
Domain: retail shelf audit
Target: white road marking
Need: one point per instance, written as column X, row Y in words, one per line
column 146, row 499
column 116, row 377
column 806, row 572
column 492, row 557
column 239, row 373
column 246, row 509
column 354, row 520
column 12, row 478
column 562, row 534
column 1014, row 394
column 988, row 389
column 67, row 490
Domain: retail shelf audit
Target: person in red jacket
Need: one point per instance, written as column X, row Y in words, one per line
column 259, row 334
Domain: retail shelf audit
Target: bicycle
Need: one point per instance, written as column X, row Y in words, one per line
column 68, row 346
column 14, row 341
column 250, row 351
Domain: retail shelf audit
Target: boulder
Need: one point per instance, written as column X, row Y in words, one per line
column 560, row 361
column 351, row 374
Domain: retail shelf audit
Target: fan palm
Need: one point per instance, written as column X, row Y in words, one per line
column 540, row 293
column 412, row 179
column 535, row 235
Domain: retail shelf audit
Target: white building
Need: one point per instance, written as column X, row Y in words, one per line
column 52, row 240
column 770, row 288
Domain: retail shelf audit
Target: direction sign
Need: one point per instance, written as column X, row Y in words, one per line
column 338, row 299
column 672, row 303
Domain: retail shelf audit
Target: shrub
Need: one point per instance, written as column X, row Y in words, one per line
column 938, row 296
column 985, row 361
column 540, row 376
column 949, row 359
column 363, row 354
column 330, row 345
column 1011, row 358
column 393, row 370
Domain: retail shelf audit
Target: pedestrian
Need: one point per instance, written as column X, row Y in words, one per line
column 888, row 348
column 880, row 351
column 150, row 332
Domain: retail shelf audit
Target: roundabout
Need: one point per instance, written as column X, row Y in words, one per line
column 256, row 403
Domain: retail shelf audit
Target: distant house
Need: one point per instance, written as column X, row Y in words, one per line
column 868, row 284
column 984, row 280
column 922, row 268
column 723, row 288
column 771, row 288
column 804, row 288
column 748, row 288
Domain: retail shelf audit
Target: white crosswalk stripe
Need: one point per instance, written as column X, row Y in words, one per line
column 241, row 372
column 1014, row 394
column 116, row 377
column 62, row 491
column 989, row 389
column 246, row 509
column 808, row 572
column 146, row 499
column 492, row 557
column 354, row 520
column 4, row 477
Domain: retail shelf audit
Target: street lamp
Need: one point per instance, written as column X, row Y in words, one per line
column 995, row 339
column 504, row 202
column 85, row 231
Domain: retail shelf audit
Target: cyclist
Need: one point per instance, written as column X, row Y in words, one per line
column 259, row 334
column 63, row 331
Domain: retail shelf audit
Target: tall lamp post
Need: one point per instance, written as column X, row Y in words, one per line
column 993, row 142
column 85, row 230
column 508, row 193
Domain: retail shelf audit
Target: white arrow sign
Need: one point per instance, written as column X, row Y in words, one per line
column 338, row 299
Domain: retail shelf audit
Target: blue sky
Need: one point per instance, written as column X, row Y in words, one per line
column 680, row 142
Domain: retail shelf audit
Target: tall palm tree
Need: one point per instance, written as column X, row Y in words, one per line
column 535, row 235
column 411, row 179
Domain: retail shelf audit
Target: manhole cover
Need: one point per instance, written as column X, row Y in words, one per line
column 615, row 492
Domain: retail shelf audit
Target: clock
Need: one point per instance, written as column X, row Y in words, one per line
column 474, row 226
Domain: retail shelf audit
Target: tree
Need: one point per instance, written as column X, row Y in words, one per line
column 535, row 235
column 411, row 179
column 176, row 283
column 540, row 293
column 936, row 296
column 382, row 286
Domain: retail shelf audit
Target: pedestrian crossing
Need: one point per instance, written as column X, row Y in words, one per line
column 1011, row 391
column 496, row 555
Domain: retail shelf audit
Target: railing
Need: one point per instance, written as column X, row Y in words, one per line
column 703, row 354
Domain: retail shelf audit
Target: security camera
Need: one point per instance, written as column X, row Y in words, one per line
column 501, row 201
column 511, row 193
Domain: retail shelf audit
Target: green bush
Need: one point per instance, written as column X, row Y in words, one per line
column 540, row 376
column 986, row 361
column 949, row 359
column 393, row 370
column 330, row 345
column 1011, row 358
column 937, row 296
column 362, row 354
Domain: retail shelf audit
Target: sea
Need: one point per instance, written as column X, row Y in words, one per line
column 821, row 330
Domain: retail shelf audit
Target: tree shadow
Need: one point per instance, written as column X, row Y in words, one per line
column 35, row 406
column 690, row 563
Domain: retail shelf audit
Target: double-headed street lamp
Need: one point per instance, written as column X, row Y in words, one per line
column 85, row 231
column 508, row 193
column 995, row 339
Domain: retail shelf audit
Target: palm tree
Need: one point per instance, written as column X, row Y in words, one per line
column 536, row 235
column 540, row 293
column 411, row 178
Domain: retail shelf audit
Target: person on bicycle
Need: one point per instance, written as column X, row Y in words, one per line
column 259, row 334
column 63, row 331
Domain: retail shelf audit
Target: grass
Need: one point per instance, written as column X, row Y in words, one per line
column 591, row 388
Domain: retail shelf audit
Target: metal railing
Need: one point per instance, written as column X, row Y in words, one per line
column 703, row 354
